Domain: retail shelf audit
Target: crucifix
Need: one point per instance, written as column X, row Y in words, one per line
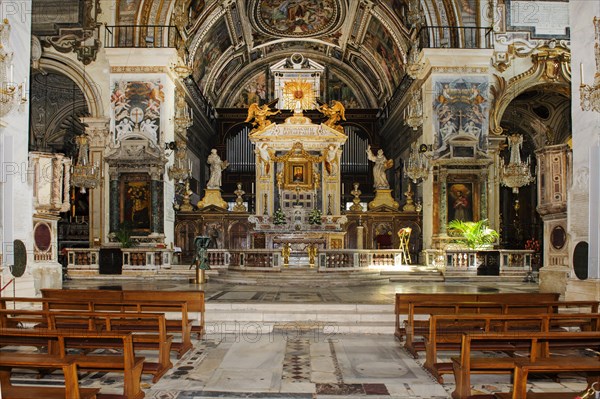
column 460, row 115
column 137, row 115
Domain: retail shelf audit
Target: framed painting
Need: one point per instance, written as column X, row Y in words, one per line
column 135, row 202
column 298, row 173
column 460, row 201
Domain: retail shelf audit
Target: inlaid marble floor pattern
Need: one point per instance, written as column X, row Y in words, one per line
column 299, row 364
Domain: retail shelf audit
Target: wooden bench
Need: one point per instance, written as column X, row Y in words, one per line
column 548, row 365
column 537, row 342
column 58, row 342
column 403, row 300
column 158, row 301
column 38, row 361
column 149, row 330
column 415, row 328
column 445, row 332
column 181, row 325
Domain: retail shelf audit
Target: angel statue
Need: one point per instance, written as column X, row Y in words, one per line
column 259, row 114
column 381, row 165
column 335, row 113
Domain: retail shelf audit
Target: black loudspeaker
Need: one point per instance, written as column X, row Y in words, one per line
column 20, row 259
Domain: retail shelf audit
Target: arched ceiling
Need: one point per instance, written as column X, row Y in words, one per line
column 231, row 43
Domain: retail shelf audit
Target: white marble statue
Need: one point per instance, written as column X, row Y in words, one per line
column 381, row 165
column 331, row 159
column 264, row 153
column 216, row 168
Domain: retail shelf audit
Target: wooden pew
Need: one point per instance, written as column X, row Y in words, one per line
column 445, row 332
column 38, row 361
column 181, row 326
column 404, row 299
column 58, row 342
column 193, row 299
column 537, row 342
column 149, row 329
column 415, row 328
column 548, row 365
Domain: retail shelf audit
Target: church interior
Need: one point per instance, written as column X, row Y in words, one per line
column 294, row 174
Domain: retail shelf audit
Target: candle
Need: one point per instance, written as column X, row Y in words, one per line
column 252, row 188
column 12, row 72
column 190, row 164
column 343, row 191
column 581, row 72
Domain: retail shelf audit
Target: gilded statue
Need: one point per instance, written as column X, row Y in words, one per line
column 335, row 113
column 286, row 250
column 259, row 115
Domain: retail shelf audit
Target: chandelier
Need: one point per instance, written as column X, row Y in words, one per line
column 590, row 95
column 413, row 113
column 181, row 170
column 417, row 166
column 11, row 94
column 84, row 175
column 517, row 173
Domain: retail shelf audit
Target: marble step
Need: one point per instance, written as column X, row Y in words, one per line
column 297, row 277
column 326, row 318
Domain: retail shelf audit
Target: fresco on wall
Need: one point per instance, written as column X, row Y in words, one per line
column 127, row 9
column 136, row 108
column 299, row 18
column 460, row 107
column 398, row 7
column 215, row 43
column 380, row 43
column 366, row 71
column 196, row 7
column 255, row 91
column 338, row 90
column 231, row 67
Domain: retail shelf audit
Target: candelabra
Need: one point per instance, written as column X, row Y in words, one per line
column 84, row 175
column 417, row 166
column 181, row 169
column 590, row 95
column 517, row 173
column 11, row 94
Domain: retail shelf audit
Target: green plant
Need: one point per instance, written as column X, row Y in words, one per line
column 123, row 235
column 315, row 217
column 279, row 217
column 473, row 234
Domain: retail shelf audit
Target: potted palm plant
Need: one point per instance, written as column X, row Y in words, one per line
column 475, row 235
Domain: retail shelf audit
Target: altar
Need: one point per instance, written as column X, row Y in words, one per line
column 298, row 184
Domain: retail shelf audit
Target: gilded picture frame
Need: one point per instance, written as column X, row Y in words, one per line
column 298, row 173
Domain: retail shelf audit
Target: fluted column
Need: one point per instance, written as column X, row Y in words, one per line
column 98, row 134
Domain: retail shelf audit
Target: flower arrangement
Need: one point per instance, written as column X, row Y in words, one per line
column 533, row 245
column 279, row 217
column 315, row 217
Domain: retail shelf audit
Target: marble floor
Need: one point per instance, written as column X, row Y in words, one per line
column 305, row 363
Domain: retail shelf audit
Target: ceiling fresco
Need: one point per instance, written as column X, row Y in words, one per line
column 362, row 43
column 297, row 18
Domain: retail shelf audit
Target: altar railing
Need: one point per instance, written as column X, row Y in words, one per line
column 260, row 259
column 507, row 261
column 139, row 259
column 82, row 261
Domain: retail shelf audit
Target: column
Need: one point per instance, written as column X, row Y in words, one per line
column 442, row 207
column 156, row 192
column 98, row 135
column 114, row 214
